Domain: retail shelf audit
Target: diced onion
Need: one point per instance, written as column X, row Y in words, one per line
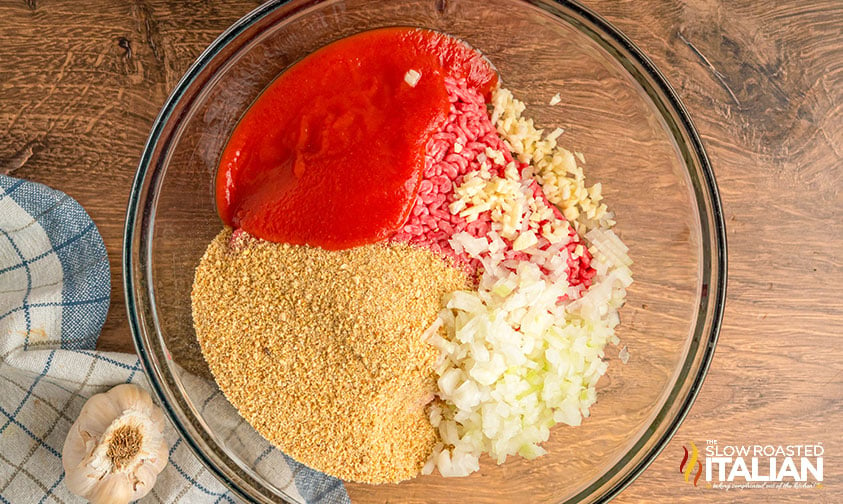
column 412, row 77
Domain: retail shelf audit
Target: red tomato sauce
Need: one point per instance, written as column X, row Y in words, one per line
column 331, row 153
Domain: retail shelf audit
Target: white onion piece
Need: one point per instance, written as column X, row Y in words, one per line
column 515, row 360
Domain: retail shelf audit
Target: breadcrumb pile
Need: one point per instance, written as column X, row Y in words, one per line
column 322, row 352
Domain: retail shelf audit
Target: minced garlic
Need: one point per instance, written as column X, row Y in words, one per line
column 562, row 180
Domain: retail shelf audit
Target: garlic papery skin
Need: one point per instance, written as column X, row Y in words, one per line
column 115, row 450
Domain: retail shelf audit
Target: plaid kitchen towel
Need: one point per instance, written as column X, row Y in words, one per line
column 54, row 295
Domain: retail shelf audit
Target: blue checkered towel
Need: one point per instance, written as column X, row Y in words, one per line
column 54, row 295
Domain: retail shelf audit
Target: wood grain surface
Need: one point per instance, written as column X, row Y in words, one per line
column 81, row 82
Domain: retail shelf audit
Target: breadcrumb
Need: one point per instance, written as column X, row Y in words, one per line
column 322, row 352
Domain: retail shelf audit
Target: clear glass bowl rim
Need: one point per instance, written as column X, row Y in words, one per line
column 137, row 240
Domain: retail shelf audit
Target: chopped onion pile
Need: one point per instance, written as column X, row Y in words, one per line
column 515, row 361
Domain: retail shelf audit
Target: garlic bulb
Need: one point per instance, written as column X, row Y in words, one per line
column 116, row 448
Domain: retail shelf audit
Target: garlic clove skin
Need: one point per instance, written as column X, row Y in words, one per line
column 159, row 463
column 98, row 413
column 113, row 489
column 146, row 476
column 79, row 482
column 128, row 396
column 115, row 450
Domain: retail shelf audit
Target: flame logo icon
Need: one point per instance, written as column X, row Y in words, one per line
column 687, row 466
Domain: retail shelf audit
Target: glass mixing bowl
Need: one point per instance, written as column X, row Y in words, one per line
column 616, row 108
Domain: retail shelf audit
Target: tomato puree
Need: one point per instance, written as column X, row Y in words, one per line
column 331, row 153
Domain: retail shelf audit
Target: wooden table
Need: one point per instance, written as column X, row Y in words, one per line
column 81, row 82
